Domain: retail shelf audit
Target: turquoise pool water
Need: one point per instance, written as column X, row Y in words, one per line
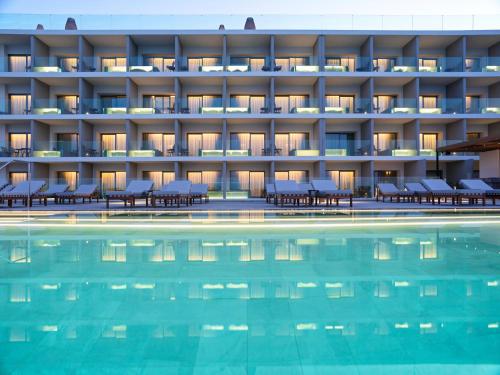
column 255, row 293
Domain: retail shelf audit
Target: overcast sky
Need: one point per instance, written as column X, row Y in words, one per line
column 252, row 7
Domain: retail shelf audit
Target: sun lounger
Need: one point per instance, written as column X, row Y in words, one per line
column 5, row 189
column 419, row 191
column 87, row 191
column 270, row 192
column 391, row 191
column 174, row 192
column 23, row 191
column 51, row 192
column 199, row 191
column 477, row 184
column 440, row 189
column 327, row 189
column 135, row 189
column 288, row 191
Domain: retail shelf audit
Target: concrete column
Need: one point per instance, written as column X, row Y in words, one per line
column 224, row 179
column 131, row 131
column 40, row 135
column 86, row 94
column 132, row 93
column 272, row 52
column 179, row 63
column 456, row 51
column 411, row 51
column 38, row 50
column 367, row 180
column 367, row 137
column 132, row 52
column 224, row 135
column 271, row 95
column 225, row 57
column 489, row 164
column 86, row 137
column 178, row 136
column 131, row 171
column 414, row 170
column 366, row 52
column 319, row 51
column 366, row 91
column 272, row 132
column 178, row 95
column 458, row 170
column 86, row 174
column 86, row 55
column 321, row 134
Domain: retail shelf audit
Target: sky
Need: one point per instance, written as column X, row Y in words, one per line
column 252, row 7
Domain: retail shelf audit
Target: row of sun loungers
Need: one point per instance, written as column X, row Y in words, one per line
column 290, row 192
column 435, row 190
column 174, row 193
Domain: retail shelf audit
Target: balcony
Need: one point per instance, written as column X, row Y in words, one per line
column 396, row 106
column 54, row 106
column 247, row 64
column 296, row 144
column 202, row 64
column 341, row 147
column 151, row 64
column 301, row 105
column 108, row 106
column 202, row 105
column 487, row 64
column 438, row 106
column 103, row 64
column 484, row 106
column 97, row 149
column 53, row 64
column 386, row 144
column 398, row 64
column 337, row 105
column 440, row 64
column 55, row 149
column 307, row 64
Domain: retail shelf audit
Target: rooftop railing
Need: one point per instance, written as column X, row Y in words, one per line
column 263, row 22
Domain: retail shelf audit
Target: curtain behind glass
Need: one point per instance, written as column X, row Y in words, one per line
column 17, row 177
column 256, row 64
column 68, row 103
column 384, row 141
column 282, row 102
column 281, row 141
column 284, row 63
column 194, row 143
column 383, row 102
column 19, row 140
column 299, row 101
column 256, row 183
column 194, row 63
column 428, row 141
column 349, row 62
column 299, row 141
column 195, row 103
column 211, row 141
column 256, row 103
column 19, row 63
column 428, row 101
column 384, row 65
column 298, row 176
column 432, row 63
column 19, row 103
column 240, row 101
column 68, row 177
column 257, row 143
column 68, row 64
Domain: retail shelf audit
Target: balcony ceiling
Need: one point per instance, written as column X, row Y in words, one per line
column 333, row 41
column 437, row 41
column 391, row 41
column 154, row 81
column 482, row 41
column 482, row 81
column 61, row 82
column 9, row 39
column 107, row 40
column 295, row 41
column 437, row 80
column 59, row 40
column 154, row 40
column 107, row 81
column 392, row 81
column 245, row 41
column 295, row 81
column 345, row 81
column 202, row 41
column 248, row 81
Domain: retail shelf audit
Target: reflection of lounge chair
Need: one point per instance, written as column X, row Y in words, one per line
column 23, row 191
column 199, row 191
column 477, row 184
column 135, row 189
column 5, row 189
column 288, row 191
column 51, row 192
column 174, row 192
column 440, row 189
column 391, row 191
column 327, row 189
column 88, row 191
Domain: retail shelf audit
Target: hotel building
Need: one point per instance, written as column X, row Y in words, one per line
column 236, row 109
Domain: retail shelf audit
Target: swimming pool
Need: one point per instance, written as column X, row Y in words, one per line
column 250, row 293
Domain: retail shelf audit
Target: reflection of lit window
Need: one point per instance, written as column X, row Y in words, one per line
column 382, row 290
column 162, row 253
column 428, row 250
column 18, row 334
column 114, row 253
column 254, row 252
column 19, row 255
column 117, row 332
column 427, row 328
column 161, row 332
column 288, row 251
column 339, row 290
column 19, row 293
column 428, row 290
column 71, row 294
column 382, row 251
column 205, row 253
column 468, row 290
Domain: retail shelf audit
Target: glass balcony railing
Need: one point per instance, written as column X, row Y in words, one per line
column 201, row 64
column 443, row 106
column 53, row 107
column 440, row 64
column 145, row 149
column 398, row 64
column 108, row 106
column 103, row 64
column 150, row 64
column 19, row 151
column 55, row 149
column 384, row 147
column 299, row 148
column 342, row 147
column 307, row 65
column 199, row 148
column 357, row 106
column 484, row 106
column 53, row 64
column 97, row 149
column 399, row 106
column 309, row 106
column 248, row 64
column 203, row 106
column 150, row 107
column 486, row 64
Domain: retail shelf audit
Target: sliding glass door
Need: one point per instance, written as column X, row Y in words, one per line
column 343, row 179
column 250, row 181
column 113, row 181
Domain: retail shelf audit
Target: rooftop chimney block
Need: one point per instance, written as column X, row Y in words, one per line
column 70, row 24
column 249, row 24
